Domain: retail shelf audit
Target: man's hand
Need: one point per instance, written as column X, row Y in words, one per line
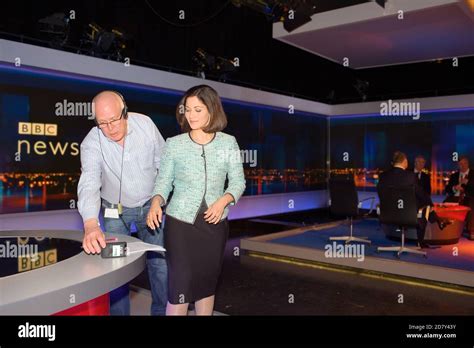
column 155, row 213
column 94, row 238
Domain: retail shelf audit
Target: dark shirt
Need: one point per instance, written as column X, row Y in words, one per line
column 454, row 181
column 424, row 180
column 398, row 177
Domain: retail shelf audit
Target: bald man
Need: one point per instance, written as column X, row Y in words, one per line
column 120, row 159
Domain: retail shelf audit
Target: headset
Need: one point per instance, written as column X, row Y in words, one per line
column 124, row 112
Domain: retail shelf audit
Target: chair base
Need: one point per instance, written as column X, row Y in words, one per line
column 402, row 249
column 349, row 239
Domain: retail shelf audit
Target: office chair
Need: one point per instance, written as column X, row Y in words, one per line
column 345, row 202
column 398, row 207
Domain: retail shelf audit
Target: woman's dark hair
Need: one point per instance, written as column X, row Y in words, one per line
column 209, row 97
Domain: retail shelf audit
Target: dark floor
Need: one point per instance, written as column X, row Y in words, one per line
column 255, row 286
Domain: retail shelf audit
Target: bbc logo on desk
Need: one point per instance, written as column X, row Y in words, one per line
column 38, row 260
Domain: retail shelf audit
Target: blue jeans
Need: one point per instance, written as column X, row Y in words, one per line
column 156, row 263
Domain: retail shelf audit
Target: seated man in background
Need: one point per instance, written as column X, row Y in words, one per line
column 398, row 176
column 460, row 189
column 422, row 177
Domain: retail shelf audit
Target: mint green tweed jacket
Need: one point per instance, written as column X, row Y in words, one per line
column 195, row 172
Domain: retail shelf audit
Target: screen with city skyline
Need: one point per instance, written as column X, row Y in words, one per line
column 40, row 141
column 364, row 145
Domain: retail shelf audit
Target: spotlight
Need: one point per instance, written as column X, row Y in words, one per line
column 207, row 63
column 295, row 13
column 99, row 42
column 261, row 6
column 299, row 15
column 203, row 61
column 55, row 28
column 225, row 65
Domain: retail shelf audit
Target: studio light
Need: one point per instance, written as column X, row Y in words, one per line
column 295, row 13
column 99, row 42
column 55, row 28
column 206, row 63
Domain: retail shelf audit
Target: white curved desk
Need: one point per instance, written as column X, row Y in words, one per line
column 48, row 290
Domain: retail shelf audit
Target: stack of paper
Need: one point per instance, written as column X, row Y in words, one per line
column 140, row 246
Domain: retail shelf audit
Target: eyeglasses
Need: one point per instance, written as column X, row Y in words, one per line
column 112, row 122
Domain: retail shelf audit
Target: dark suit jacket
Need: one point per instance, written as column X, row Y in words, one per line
column 424, row 181
column 468, row 188
column 399, row 177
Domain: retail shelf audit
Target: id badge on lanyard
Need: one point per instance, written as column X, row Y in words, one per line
column 113, row 213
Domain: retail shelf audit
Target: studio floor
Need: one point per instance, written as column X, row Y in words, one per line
column 254, row 283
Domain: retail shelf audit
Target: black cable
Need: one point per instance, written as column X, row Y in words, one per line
column 120, row 179
column 191, row 24
column 125, row 224
column 121, row 169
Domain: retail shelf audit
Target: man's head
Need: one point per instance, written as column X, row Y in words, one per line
column 399, row 159
column 463, row 163
column 420, row 163
column 111, row 114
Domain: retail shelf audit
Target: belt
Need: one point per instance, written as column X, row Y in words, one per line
column 107, row 204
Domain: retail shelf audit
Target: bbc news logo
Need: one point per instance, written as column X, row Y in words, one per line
column 41, row 147
column 47, row 129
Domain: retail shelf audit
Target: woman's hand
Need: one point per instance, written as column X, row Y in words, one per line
column 155, row 213
column 214, row 213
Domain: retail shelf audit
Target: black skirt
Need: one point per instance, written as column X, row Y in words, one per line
column 194, row 253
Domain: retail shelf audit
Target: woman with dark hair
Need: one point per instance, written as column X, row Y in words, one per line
column 195, row 166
